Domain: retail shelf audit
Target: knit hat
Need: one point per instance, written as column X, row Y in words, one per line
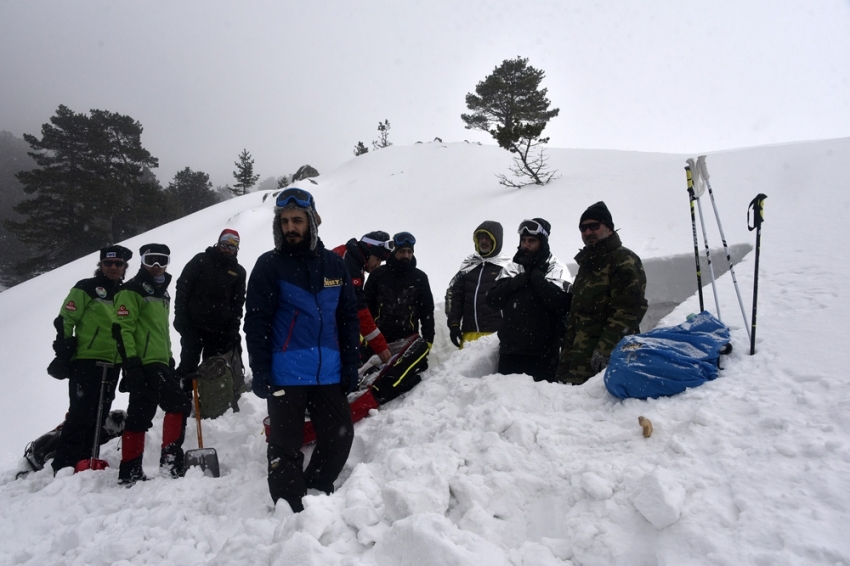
column 373, row 243
column 294, row 198
column 492, row 229
column 229, row 236
column 600, row 213
column 115, row 252
column 404, row 240
column 154, row 249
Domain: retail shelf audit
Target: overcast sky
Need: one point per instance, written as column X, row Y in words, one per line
column 301, row 82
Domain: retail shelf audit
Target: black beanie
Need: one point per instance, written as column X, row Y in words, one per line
column 600, row 213
column 154, row 249
column 115, row 252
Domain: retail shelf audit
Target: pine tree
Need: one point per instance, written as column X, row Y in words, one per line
column 360, row 149
column 192, row 190
column 383, row 136
column 510, row 105
column 244, row 174
column 89, row 176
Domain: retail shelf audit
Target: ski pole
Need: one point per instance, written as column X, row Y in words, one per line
column 703, row 172
column 696, row 241
column 757, row 206
column 699, row 189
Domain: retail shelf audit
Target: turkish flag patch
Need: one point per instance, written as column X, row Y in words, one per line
column 122, row 311
column 357, row 282
column 71, row 306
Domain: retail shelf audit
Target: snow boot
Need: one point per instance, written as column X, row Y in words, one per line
column 171, row 458
column 132, row 449
column 130, row 471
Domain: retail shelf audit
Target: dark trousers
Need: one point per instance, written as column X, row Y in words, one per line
column 540, row 367
column 166, row 393
column 331, row 419
column 77, row 437
column 196, row 342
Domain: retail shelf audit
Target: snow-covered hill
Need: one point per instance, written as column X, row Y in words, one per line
column 476, row 468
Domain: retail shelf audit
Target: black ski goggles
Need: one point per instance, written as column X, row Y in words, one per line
column 403, row 239
column 151, row 260
column 300, row 197
column 532, row 228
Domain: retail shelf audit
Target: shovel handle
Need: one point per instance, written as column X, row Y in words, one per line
column 197, row 411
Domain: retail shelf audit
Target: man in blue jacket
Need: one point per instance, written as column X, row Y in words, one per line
column 302, row 332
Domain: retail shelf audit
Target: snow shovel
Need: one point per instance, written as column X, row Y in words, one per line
column 95, row 463
column 205, row 458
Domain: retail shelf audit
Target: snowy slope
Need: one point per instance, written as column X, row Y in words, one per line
column 476, row 468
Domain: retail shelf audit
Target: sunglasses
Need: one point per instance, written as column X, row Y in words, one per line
column 112, row 263
column 592, row 226
column 532, row 228
column 389, row 244
column 298, row 196
column 404, row 239
column 151, row 260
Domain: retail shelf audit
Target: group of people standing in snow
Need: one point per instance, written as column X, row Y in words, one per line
column 312, row 316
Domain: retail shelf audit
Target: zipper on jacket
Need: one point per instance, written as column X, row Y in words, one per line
column 289, row 333
column 93, row 338
column 475, row 302
column 147, row 341
column 319, row 342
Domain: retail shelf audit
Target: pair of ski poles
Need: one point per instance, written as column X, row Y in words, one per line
column 698, row 180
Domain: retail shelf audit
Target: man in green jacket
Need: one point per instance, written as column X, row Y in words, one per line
column 142, row 332
column 608, row 298
column 84, row 327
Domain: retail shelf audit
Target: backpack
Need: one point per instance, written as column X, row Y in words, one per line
column 215, row 386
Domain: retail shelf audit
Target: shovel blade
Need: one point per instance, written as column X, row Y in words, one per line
column 90, row 464
column 205, row 458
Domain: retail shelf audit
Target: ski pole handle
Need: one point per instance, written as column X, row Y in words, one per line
column 757, row 206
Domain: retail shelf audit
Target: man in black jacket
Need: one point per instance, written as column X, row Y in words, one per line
column 208, row 304
column 533, row 293
column 467, row 313
column 399, row 296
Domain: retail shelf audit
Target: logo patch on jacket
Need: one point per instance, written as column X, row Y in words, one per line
column 332, row 282
column 71, row 306
column 122, row 311
column 101, row 292
column 357, row 282
column 148, row 288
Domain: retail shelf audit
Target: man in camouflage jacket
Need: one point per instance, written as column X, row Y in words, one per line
column 608, row 298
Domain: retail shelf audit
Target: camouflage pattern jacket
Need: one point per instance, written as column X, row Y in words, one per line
column 608, row 303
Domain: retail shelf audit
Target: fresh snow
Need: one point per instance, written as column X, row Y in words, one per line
column 472, row 467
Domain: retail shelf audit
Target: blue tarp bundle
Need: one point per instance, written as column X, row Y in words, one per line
column 666, row 361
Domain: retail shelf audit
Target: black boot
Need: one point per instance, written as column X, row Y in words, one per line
column 171, row 462
column 130, row 472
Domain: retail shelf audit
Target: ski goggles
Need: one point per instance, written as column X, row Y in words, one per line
column 403, row 239
column 532, row 228
column 389, row 244
column 300, row 197
column 592, row 226
column 151, row 260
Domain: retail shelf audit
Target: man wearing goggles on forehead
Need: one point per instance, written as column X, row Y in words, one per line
column 608, row 298
column 302, row 332
column 399, row 295
column 208, row 309
column 144, row 342
column 362, row 257
column 533, row 294
column 84, row 327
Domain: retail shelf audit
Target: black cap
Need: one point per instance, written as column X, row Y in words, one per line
column 372, row 243
column 115, row 252
column 600, row 213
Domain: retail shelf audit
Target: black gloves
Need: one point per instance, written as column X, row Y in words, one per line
column 60, row 367
column 456, row 335
column 260, row 384
column 598, row 361
column 349, row 378
column 519, row 281
column 180, row 325
column 134, row 377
